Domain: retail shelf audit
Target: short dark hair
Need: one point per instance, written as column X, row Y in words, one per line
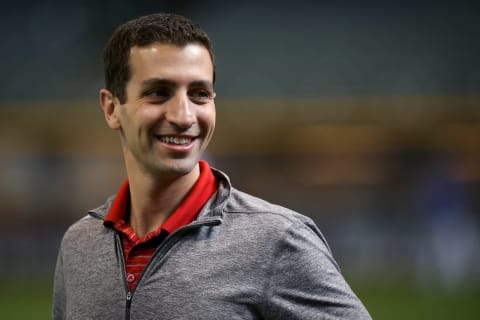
column 160, row 27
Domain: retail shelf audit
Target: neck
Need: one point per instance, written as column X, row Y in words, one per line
column 153, row 199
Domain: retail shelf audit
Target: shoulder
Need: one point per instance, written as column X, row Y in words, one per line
column 83, row 224
column 82, row 232
column 242, row 207
column 244, row 203
column 269, row 216
column 91, row 223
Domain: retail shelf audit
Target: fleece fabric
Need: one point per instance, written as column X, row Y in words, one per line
column 242, row 258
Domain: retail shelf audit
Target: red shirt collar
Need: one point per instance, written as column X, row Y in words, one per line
column 185, row 213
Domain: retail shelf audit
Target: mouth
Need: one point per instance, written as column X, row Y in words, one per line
column 176, row 140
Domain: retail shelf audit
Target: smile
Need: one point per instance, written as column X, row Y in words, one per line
column 176, row 140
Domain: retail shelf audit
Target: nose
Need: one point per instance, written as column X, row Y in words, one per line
column 179, row 112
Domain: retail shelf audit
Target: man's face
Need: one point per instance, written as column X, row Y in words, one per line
column 168, row 118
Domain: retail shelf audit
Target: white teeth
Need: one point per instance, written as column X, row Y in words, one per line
column 175, row 140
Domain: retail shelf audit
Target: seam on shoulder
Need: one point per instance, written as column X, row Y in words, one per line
column 291, row 216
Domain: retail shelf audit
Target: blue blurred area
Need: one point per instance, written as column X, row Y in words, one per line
column 362, row 115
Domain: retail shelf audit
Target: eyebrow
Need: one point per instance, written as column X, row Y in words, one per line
column 156, row 82
column 159, row 82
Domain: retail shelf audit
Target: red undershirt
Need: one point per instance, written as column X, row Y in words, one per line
column 138, row 251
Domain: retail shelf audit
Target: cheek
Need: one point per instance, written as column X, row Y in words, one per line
column 208, row 117
column 148, row 116
column 138, row 120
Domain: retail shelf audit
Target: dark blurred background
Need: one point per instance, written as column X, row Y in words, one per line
column 363, row 115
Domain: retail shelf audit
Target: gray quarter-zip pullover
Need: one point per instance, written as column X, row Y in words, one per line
column 243, row 258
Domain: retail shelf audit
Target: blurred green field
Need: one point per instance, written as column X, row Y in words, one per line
column 22, row 300
column 402, row 299
column 389, row 300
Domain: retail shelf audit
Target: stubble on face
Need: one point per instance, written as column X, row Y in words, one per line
column 169, row 117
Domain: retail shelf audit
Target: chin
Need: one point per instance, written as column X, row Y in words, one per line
column 178, row 167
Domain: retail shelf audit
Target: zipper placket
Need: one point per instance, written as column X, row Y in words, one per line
column 129, row 294
column 161, row 250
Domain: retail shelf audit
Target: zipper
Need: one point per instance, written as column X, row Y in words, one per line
column 129, row 294
column 161, row 250
column 129, row 303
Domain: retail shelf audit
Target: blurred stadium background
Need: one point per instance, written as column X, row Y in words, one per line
column 364, row 115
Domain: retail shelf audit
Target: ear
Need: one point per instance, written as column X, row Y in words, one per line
column 109, row 106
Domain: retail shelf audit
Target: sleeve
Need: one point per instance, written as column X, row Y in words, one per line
column 305, row 281
column 59, row 295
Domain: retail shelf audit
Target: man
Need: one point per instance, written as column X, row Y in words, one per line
column 178, row 241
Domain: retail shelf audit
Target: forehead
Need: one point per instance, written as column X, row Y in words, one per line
column 160, row 60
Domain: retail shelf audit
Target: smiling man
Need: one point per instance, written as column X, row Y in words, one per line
column 177, row 241
column 165, row 124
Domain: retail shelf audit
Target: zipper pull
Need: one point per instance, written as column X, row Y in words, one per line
column 129, row 302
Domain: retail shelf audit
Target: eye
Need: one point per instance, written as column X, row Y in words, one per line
column 201, row 95
column 159, row 94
